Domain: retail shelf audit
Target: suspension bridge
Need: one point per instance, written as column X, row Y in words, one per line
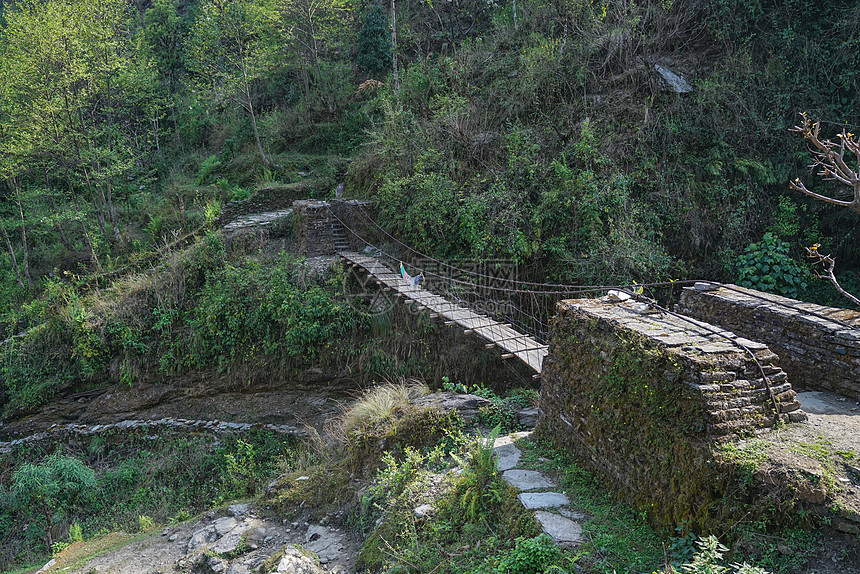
column 484, row 299
column 501, row 335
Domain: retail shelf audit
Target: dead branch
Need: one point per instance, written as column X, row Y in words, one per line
column 828, row 264
column 829, row 157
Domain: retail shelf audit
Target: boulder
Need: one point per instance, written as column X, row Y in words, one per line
column 466, row 405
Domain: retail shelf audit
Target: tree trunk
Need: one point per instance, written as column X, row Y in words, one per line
column 12, row 256
column 250, row 108
column 95, row 257
column 58, row 225
column 26, row 261
column 113, row 218
column 394, row 51
column 49, row 540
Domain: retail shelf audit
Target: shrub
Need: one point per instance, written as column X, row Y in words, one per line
column 52, row 486
column 767, row 266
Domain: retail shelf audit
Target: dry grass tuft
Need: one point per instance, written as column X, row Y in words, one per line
column 378, row 405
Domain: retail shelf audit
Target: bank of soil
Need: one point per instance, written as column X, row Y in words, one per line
column 279, row 403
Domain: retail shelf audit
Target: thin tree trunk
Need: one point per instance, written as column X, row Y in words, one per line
column 113, row 218
column 250, row 108
column 92, row 249
column 394, row 51
column 49, row 540
column 57, row 225
column 24, row 238
column 12, row 256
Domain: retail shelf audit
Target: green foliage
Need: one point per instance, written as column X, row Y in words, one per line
column 250, row 311
column 531, row 556
column 139, row 483
column 709, row 560
column 767, row 266
column 393, row 477
column 481, row 489
column 145, row 523
column 53, row 486
column 208, row 168
column 374, row 42
column 242, row 471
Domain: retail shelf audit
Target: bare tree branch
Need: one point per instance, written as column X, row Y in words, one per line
column 829, row 264
column 829, row 157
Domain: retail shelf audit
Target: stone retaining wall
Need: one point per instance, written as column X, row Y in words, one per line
column 314, row 226
column 643, row 398
column 819, row 347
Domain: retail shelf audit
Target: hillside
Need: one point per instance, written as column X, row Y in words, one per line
column 584, row 142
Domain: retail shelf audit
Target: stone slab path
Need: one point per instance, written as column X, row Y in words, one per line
column 551, row 512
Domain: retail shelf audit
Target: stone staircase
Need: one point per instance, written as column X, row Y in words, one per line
column 340, row 240
column 538, row 492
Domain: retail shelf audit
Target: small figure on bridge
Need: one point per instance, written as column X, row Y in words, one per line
column 408, row 279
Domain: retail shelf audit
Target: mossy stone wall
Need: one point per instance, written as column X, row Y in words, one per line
column 644, row 398
column 819, row 347
column 314, row 223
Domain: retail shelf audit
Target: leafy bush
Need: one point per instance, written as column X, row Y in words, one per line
column 53, row 486
column 767, row 266
column 708, row 560
column 249, row 310
column 531, row 556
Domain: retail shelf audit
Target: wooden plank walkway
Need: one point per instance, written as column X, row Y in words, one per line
column 512, row 343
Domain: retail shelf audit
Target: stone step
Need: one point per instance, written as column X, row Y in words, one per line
column 507, row 457
column 563, row 531
column 527, row 479
column 533, row 500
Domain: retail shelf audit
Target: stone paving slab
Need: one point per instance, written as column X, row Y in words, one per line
column 533, row 500
column 527, row 479
column 563, row 531
column 511, row 438
column 507, row 456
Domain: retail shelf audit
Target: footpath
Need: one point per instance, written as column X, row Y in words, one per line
column 538, row 492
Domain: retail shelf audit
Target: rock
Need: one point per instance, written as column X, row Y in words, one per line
column 238, row 509
column 230, row 542
column 673, row 81
column 528, row 417
column 508, row 456
column 296, row 561
column 238, row 569
column 573, row 515
column 216, row 564
column 173, row 537
column 466, row 405
column 617, row 296
column 224, row 525
column 532, row 500
column 563, row 531
column 424, row 510
column 527, row 479
column 201, row 538
column 47, row 566
column 325, row 543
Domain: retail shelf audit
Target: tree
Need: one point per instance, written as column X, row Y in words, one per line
column 374, row 43
column 835, row 161
column 164, row 36
column 227, row 53
column 313, row 26
column 75, row 103
column 52, row 486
